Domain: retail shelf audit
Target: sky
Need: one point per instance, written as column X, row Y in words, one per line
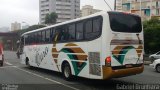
column 27, row 11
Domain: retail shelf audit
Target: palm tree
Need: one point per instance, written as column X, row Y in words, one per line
column 51, row 18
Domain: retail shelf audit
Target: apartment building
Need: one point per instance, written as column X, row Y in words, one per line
column 65, row 9
column 145, row 8
column 118, row 5
column 88, row 10
column 15, row 26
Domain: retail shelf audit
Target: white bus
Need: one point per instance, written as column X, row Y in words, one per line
column 100, row 46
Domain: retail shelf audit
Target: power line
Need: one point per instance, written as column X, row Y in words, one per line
column 108, row 5
column 110, row 1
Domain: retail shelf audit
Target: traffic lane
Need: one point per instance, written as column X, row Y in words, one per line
column 77, row 82
column 11, row 57
column 149, row 76
column 14, row 75
column 89, row 84
column 11, row 75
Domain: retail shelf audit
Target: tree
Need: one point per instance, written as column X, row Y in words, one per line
column 151, row 35
column 51, row 18
column 33, row 27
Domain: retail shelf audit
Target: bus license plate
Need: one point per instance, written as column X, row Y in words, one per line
column 129, row 66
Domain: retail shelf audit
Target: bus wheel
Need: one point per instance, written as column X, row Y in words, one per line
column 66, row 70
column 158, row 68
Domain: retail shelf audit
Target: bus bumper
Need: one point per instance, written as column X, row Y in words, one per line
column 109, row 73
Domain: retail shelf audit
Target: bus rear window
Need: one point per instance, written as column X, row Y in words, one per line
column 122, row 22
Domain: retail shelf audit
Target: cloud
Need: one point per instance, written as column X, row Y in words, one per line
column 19, row 10
column 28, row 10
column 98, row 4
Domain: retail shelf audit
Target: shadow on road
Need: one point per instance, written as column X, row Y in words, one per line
column 82, row 83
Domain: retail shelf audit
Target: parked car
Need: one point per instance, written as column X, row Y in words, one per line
column 156, row 65
column 154, row 56
column 1, row 55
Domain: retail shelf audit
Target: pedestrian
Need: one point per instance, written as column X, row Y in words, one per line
column 18, row 53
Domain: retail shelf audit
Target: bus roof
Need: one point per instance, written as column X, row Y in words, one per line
column 70, row 21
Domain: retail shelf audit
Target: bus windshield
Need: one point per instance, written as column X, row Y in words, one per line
column 123, row 22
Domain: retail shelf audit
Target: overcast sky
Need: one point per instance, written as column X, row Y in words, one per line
column 28, row 10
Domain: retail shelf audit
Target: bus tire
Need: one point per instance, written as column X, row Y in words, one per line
column 66, row 71
column 158, row 68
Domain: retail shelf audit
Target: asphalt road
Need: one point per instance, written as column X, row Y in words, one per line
column 15, row 76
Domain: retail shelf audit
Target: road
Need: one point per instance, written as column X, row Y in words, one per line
column 16, row 76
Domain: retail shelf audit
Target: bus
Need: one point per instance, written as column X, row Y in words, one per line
column 100, row 46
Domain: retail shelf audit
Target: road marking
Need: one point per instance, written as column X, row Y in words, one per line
column 51, row 80
column 8, row 63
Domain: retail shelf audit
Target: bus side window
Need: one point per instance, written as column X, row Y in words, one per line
column 29, row 39
column 97, row 25
column 71, row 32
column 53, row 34
column 60, row 32
column 93, row 28
column 43, row 36
column 64, row 34
column 89, row 29
column 39, row 36
column 79, row 31
column 26, row 39
column 47, row 40
column 35, row 37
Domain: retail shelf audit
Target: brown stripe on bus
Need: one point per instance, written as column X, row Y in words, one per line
column 71, row 44
column 54, row 50
column 77, row 50
column 119, row 48
column 55, row 55
column 82, row 57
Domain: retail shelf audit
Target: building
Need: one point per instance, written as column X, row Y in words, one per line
column 65, row 9
column 15, row 26
column 145, row 8
column 118, row 5
column 88, row 10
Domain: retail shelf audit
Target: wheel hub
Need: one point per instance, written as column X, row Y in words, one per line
column 67, row 72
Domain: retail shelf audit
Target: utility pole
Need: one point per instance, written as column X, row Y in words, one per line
column 115, row 5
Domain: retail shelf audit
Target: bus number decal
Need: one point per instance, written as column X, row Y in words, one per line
column 41, row 55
